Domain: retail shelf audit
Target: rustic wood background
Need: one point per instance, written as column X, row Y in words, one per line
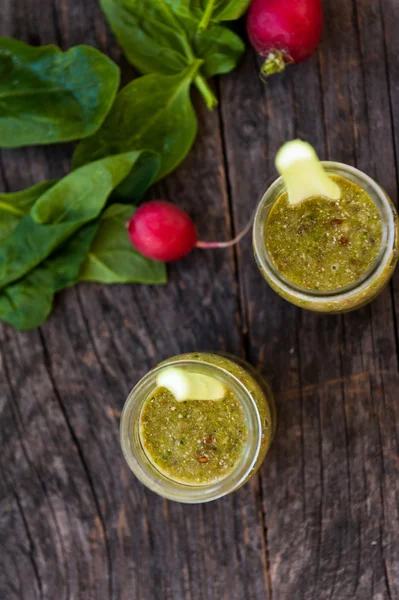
column 321, row 520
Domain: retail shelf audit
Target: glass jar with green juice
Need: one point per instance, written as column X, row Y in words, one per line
column 197, row 426
column 325, row 234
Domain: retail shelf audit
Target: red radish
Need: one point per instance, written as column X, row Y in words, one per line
column 284, row 31
column 162, row 231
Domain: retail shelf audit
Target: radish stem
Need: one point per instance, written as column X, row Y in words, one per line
column 228, row 244
column 274, row 63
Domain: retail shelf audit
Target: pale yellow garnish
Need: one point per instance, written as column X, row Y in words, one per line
column 303, row 174
column 186, row 385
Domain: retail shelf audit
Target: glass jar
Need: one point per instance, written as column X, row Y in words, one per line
column 344, row 299
column 258, row 405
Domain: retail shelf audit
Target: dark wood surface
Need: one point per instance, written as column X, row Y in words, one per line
column 321, row 520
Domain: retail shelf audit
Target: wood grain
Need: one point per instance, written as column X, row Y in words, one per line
column 330, row 484
column 321, row 521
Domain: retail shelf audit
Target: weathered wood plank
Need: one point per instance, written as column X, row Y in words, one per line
column 372, row 349
column 43, row 473
column 254, row 129
column 382, row 116
column 332, row 469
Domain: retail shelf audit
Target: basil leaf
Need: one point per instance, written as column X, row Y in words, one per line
column 14, row 205
column 26, row 303
column 152, row 112
column 113, row 259
column 165, row 37
column 71, row 203
column 48, row 96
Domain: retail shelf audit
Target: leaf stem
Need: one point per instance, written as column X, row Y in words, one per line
column 203, row 86
column 11, row 209
column 206, row 17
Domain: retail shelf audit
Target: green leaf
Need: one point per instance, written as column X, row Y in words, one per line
column 27, row 299
column 222, row 10
column 143, row 174
column 153, row 112
column 220, row 49
column 71, row 203
column 208, row 11
column 26, row 303
column 113, row 259
column 150, row 35
column 48, row 96
column 14, row 205
column 165, row 36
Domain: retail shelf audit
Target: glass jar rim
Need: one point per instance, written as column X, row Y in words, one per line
column 381, row 200
column 144, row 469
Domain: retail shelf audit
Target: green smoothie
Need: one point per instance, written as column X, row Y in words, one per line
column 195, row 441
column 322, row 244
column 199, row 442
column 325, row 234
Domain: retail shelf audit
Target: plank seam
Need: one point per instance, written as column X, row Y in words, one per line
column 13, row 412
column 241, row 288
column 245, row 338
column 395, row 154
column 47, row 364
column 382, row 479
column 3, row 175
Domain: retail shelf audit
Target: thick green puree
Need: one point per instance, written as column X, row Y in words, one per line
column 322, row 244
column 195, row 441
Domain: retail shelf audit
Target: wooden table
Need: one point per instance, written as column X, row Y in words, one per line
column 321, row 519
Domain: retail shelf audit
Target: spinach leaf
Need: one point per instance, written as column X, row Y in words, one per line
column 228, row 10
column 216, row 10
column 71, row 203
column 112, row 258
column 47, row 95
column 143, row 174
column 153, row 112
column 14, row 205
column 150, row 35
column 26, row 303
column 220, row 49
column 166, row 36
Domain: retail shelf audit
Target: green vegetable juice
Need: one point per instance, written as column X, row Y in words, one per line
column 200, row 442
column 324, row 244
column 198, row 426
column 194, row 441
column 325, row 234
